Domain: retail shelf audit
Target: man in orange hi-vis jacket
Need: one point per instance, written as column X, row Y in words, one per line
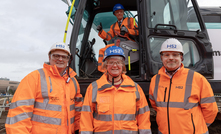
column 182, row 98
column 123, row 26
column 48, row 100
column 115, row 104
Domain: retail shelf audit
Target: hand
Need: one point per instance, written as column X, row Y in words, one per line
column 123, row 29
column 99, row 27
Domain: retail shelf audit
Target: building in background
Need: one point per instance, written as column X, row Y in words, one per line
column 5, row 82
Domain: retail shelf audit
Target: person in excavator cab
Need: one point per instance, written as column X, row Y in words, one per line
column 115, row 103
column 123, row 26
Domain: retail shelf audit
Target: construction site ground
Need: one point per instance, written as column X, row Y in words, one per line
column 214, row 128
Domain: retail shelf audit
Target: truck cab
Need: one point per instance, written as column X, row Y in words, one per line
column 157, row 20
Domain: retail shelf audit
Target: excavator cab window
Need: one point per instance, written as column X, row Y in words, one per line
column 89, row 43
column 172, row 12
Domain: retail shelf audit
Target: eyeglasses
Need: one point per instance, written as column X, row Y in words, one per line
column 63, row 57
column 167, row 55
column 118, row 63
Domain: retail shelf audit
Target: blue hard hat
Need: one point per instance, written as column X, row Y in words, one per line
column 113, row 50
column 117, row 7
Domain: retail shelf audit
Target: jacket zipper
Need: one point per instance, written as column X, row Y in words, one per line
column 165, row 94
column 193, row 123
column 168, row 117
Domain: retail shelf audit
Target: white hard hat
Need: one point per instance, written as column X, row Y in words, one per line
column 60, row 46
column 171, row 44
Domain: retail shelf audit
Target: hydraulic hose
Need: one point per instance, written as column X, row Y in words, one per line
column 69, row 16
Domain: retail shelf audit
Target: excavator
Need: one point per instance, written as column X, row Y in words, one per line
column 157, row 20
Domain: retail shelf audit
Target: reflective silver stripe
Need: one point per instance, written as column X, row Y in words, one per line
column 101, row 55
column 86, row 132
column 22, row 103
column 86, row 108
column 102, row 117
column 46, row 106
column 145, row 131
column 17, row 118
column 124, row 117
column 117, row 117
column 99, row 64
column 144, row 110
column 207, row 132
column 72, row 120
column 44, row 90
column 72, row 107
column 75, row 85
column 137, row 92
column 177, row 104
column 50, row 84
column 126, row 86
column 156, row 87
column 124, row 132
column 186, row 105
column 208, row 124
column 105, row 86
column 114, row 27
column 78, row 99
column 207, row 100
column 47, row 120
column 188, row 89
column 78, row 109
column 151, row 97
column 94, row 91
column 106, row 132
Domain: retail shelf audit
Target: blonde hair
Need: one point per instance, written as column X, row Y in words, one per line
column 104, row 65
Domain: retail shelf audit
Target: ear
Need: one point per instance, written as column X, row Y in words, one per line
column 182, row 58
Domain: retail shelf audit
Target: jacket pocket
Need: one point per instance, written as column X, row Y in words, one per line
column 37, row 129
column 103, row 108
column 165, row 92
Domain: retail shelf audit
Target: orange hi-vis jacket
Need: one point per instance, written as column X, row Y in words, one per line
column 108, row 110
column 115, row 29
column 185, row 103
column 44, row 103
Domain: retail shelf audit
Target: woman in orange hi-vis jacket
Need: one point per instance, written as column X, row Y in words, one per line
column 115, row 104
column 182, row 98
column 48, row 100
column 123, row 26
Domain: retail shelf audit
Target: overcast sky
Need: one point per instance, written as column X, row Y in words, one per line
column 27, row 30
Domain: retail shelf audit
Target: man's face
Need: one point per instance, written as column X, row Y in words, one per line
column 59, row 58
column 171, row 60
column 114, row 66
column 119, row 14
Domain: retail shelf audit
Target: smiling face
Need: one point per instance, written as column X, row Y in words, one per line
column 60, row 59
column 119, row 14
column 114, row 66
column 171, row 60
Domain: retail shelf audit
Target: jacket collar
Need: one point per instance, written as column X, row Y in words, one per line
column 162, row 71
column 53, row 69
column 127, row 84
